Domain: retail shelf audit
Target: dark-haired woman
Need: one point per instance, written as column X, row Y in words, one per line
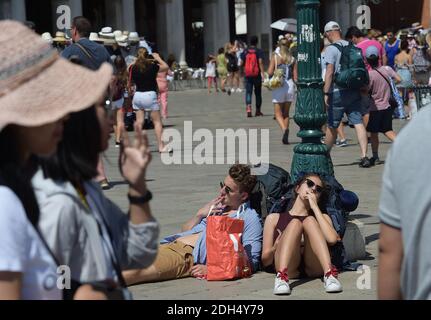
column 144, row 76
column 37, row 91
column 84, row 229
column 282, row 251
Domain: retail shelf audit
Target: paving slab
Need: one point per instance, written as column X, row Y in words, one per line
column 180, row 190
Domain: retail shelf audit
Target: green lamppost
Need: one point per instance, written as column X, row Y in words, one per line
column 310, row 115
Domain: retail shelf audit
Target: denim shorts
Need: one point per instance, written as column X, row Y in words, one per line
column 344, row 101
column 145, row 101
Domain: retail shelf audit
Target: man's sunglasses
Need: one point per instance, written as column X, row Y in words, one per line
column 311, row 184
column 226, row 188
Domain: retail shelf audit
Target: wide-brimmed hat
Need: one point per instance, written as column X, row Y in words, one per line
column 60, row 37
column 107, row 36
column 417, row 26
column 94, row 37
column 37, row 86
column 47, row 37
column 134, row 37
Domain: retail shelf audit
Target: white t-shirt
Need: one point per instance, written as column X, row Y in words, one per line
column 22, row 250
column 210, row 70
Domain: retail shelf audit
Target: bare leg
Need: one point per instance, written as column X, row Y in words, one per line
column 375, row 142
column 318, row 246
column 288, row 252
column 140, row 114
column 391, row 135
column 158, row 128
column 331, row 135
column 101, row 175
column 361, row 133
column 278, row 111
column 120, row 124
column 366, row 119
column 340, row 131
column 286, row 110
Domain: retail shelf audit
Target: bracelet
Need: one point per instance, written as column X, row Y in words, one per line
column 142, row 199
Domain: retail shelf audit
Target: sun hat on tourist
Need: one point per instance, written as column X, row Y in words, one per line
column 134, row 37
column 107, row 36
column 332, row 26
column 60, row 37
column 47, row 37
column 37, row 86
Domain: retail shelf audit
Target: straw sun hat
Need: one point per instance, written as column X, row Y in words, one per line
column 36, row 85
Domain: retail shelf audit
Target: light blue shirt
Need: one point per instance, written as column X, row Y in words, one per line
column 251, row 237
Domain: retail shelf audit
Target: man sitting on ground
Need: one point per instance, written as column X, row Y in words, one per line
column 184, row 254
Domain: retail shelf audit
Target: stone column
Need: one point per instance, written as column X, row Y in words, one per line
column 259, row 18
column 114, row 16
column 216, row 24
column 129, row 22
column 170, row 34
column 18, row 10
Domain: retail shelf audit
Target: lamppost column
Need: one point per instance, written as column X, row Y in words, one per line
column 310, row 115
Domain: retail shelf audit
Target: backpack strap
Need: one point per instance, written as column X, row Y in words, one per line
column 88, row 54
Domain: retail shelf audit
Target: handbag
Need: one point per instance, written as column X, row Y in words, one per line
column 392, row 101
column 226, row 256
column 277, row 79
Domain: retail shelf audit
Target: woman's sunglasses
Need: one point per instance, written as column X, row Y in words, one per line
column 311, row 184
column 226, row 188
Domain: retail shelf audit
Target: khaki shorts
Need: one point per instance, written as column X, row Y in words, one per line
column 174, row 261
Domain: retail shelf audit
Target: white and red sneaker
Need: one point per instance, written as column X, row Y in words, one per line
column 331, row 282
column 281, row 285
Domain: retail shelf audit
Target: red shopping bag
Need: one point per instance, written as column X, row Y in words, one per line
column 226, row 257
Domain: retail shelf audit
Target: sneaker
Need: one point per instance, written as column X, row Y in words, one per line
column 330, row 281
column 375, row 161
column 341, row 143
column 258, row 114
column 249, row 115
column 365, row 163
column 239, row 90
column 286, row 137
column 117, row 144
column 281, row 285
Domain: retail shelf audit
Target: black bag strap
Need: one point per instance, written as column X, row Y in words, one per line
column 90, row 57
column 387, row 81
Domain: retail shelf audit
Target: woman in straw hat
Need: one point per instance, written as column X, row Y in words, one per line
column 143, row 73
column 35, row 98
column 84, row 229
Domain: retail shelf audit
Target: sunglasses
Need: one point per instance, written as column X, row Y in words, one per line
column 226, row 188
column 311, row 184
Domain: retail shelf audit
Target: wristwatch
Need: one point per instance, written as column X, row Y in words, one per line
column 142, row 199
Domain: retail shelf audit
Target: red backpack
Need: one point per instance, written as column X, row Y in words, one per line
column 251, row 68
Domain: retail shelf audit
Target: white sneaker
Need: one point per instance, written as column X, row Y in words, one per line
column 281, row 285
column 331, row 282
column 239, row 90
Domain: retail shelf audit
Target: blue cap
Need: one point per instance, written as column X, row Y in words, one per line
column 371, row 51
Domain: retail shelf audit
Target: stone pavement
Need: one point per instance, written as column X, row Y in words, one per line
column 179, row 190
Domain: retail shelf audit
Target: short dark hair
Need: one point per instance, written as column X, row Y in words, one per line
column 78, row 152
column 82, row 25
column 241, row 174
column 404, row 45
column 354, row 32
column 254, row 40
column 373, row 61
column 221, row 50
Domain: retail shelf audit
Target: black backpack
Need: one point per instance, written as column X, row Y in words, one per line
column 269, row 188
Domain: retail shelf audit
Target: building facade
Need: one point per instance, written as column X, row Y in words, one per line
column 191, row 29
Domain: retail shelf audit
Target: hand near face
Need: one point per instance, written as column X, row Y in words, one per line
column 135, row 158
column 217, row 207
column 312, row 199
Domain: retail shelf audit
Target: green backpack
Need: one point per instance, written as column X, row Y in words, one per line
column 352, row 74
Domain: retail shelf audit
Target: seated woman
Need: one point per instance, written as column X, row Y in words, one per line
column 282, row 236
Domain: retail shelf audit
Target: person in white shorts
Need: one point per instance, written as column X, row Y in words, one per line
column 282, row 97
column 144, row 77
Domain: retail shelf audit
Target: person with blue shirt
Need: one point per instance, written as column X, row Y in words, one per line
column 392, row 48
column 185, row 254
column 90, row 53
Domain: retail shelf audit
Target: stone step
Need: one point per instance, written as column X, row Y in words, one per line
column 354, row 240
